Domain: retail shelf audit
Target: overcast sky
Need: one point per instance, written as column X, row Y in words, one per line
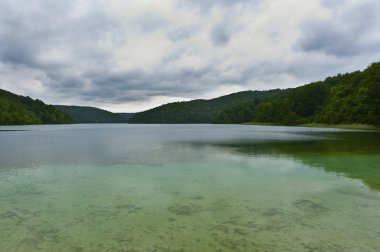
column 128, row 56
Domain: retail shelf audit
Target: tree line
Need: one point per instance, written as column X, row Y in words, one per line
column 343, row 99
column 17, row 110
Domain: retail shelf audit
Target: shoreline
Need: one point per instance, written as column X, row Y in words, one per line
column 310, row 125
column 320, row 125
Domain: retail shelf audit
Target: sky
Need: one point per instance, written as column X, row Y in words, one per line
column 129, row 56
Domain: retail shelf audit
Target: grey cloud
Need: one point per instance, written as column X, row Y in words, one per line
column 351, row 31
column 150, row 22
column 72, row 83
column 29, row 34
column 175, row 55
column 26, row 36
column 333, row 4
column 118, row 86
column 14, row 51
column 220, row 34
column 206, row 5
column 323, row 37
column 182, row 33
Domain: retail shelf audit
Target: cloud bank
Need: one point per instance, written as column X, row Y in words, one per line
column 134, row 55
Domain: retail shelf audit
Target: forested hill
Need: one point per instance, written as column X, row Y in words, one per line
column 343, row 99
column 198, row 111
column 81, row 114
column 17, row 110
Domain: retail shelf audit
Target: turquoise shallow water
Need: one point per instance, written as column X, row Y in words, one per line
column 188, row 188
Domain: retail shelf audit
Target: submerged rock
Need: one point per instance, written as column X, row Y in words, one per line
column 185, row 209
column 273, row 212
column 310, row 206
column 14, row 214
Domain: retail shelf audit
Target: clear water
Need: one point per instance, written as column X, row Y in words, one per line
column 188, row 188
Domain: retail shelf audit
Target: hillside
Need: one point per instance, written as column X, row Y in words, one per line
column 94, row 115
column 352, row 98
column 18, row 110
column 198, row 111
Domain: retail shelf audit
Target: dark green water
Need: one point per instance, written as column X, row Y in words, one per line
column 188, row 188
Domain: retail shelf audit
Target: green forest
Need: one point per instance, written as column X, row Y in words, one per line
column 344, row 99
column 21, row 110
column 200, row 111
column 81, row 114
column 17, row 110
column 352, row 98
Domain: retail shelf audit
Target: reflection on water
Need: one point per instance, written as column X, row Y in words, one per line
column 188, row 188
column 352, row 154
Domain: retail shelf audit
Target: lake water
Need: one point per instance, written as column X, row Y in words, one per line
column 188, row 188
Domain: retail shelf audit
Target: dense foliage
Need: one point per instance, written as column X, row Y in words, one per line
column 352, row 98
column 344, row 99
column 197, row 111
column 16, row 110
column 94, row 115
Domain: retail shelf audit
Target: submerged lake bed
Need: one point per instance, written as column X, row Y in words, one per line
column 188, row 188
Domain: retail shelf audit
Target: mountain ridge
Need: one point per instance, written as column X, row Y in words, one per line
column 196, row 111
column 87, row 114
column 342, row 99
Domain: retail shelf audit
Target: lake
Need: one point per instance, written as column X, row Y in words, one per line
column 188, row 188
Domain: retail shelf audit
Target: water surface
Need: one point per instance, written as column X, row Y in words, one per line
column 188, row 188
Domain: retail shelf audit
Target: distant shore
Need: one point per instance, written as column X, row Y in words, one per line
column 321, row 125
column 11, row 130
